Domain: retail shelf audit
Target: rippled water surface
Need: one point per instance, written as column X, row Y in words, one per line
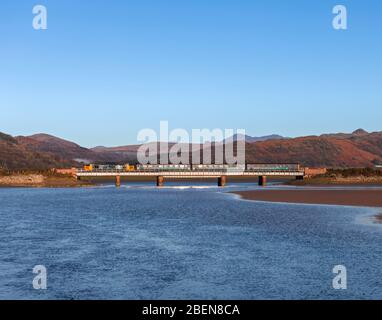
column 188, row 243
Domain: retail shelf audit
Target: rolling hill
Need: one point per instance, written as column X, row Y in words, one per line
column 337, row 150
column 43, row 151
column 16, row 155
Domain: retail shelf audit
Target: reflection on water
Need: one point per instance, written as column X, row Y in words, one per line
column 378, row 218
column 141, row 242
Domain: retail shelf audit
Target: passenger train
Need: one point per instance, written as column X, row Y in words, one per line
column 191, row 167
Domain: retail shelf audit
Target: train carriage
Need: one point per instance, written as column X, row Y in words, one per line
column 163, row 167
column 273, row 167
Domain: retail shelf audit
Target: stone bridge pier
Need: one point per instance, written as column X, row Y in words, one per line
column 222, row 181
column 160, row 181
column 262, row 181
column 117, row 181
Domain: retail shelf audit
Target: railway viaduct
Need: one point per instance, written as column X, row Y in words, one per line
column 220, row 176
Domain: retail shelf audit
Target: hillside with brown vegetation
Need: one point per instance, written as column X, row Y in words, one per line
column 351, row 150
column 341, row 150
column 56, row 147
column 17, row 156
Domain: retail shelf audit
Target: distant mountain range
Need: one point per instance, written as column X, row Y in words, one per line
column 250, row 139
column 43, row 151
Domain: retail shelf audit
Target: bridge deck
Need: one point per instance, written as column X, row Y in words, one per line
column 187, row 174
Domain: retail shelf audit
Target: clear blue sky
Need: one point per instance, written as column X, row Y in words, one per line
column 106, row 69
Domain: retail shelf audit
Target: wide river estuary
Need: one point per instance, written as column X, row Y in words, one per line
column 140, row 242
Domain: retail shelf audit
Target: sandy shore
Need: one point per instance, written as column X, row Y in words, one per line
column 363, row 198
column 326, row 181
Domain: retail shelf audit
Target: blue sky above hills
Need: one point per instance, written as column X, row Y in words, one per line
column 106, row 69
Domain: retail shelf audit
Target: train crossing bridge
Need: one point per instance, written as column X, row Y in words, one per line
column 220, row 175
